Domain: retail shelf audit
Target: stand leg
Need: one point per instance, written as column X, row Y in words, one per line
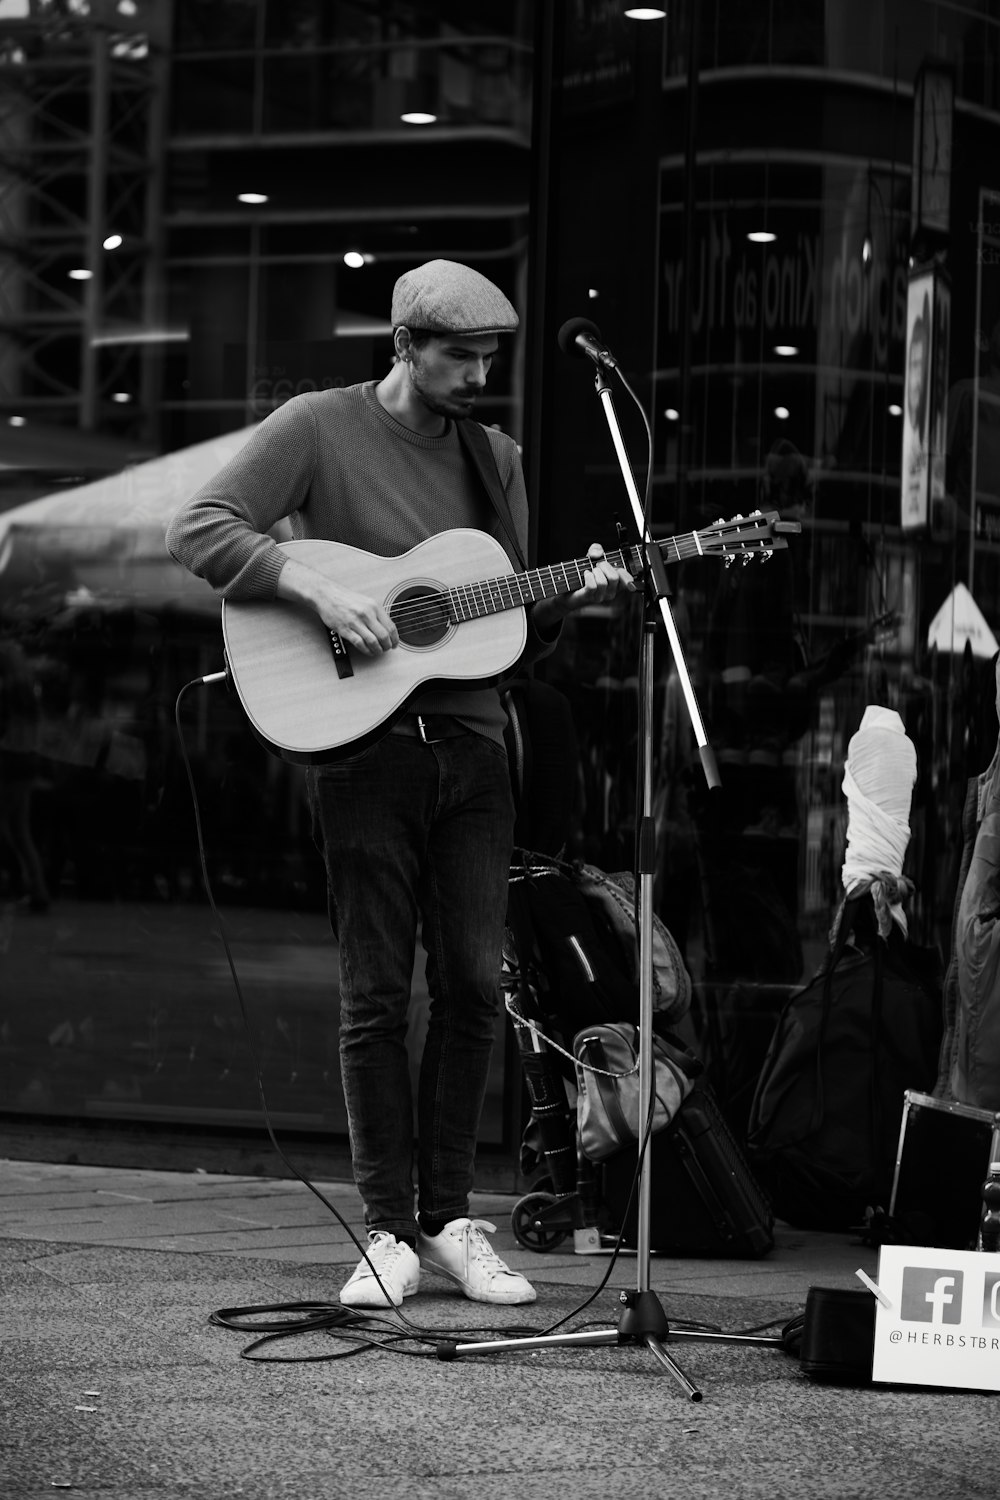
column 657, row 1350
column 644, row 1321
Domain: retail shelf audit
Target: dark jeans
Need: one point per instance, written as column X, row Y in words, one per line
column 416, row 834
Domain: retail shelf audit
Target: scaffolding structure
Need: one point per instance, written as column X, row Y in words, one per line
column 82, row 134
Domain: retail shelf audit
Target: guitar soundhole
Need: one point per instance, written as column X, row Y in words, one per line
column 420, row 615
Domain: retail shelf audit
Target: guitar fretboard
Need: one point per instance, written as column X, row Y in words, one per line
column 489, row 596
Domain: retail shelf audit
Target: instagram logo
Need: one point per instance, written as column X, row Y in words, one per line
column 991, row 1300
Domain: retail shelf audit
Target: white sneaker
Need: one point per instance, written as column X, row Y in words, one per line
column 398, row 1270
column 463, row 1253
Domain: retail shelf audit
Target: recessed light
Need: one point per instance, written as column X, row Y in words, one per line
column 78, row 273
column 113, row 242
column 762, row 236
column 895, row 410
column 17, row 421
column 252, row 197
column 786, row 350
column 418, row 117
column 645, row 13
column 671, row 414
column 121, row 397
column 782, row 413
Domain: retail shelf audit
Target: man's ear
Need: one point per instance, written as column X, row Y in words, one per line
column 401, row 340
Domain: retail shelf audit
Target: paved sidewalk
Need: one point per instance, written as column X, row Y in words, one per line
column 115, row 1382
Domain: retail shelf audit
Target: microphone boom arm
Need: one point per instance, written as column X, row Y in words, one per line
column 658, row 574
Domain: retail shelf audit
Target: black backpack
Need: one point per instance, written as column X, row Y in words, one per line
column 825, row 1118
column 562, row 948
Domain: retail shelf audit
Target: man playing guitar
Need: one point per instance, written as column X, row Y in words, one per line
column 416, row 826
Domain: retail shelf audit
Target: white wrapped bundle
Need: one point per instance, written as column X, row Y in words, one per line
column 878, row 782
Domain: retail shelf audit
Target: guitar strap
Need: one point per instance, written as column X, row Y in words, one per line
column 476, row 446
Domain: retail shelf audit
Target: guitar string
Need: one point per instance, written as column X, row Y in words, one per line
column 501, row 591
column 507, row 592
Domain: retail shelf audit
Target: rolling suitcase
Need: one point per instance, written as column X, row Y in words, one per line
column 704, row 1199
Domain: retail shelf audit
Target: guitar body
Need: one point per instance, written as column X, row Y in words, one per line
column 281, row 657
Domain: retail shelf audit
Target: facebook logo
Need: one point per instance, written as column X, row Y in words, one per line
column 931, row 1295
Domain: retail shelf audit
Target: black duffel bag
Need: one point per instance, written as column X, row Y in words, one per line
column 824, row 1123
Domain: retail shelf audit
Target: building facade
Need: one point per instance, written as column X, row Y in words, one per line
column 785, row 223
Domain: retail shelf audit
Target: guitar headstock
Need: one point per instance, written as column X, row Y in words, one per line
column 759, row 534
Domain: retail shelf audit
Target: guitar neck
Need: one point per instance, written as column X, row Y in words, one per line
column 489, row 596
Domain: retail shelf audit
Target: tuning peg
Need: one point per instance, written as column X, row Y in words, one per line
column 727, row 561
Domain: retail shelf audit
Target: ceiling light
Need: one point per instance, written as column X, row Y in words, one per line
column 252, row 197
column 671, row 414
column 113, row 242
column 592, row 293
column 895, row 410
column 17, row 421
column 354, row 259
column 121, row 397
column 782, row 413
column 418, row 117
column 79, row 274
column 645, row 13
column 762, row 236
column 786, row 350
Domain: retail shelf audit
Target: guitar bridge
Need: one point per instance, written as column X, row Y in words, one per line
column 342, row 660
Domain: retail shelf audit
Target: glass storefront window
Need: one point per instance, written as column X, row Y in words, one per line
column 757, row 295
column 888, row 41
column 214, row 96
column 119, row 1003
column 215, row 24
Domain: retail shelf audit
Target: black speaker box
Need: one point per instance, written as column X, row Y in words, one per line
column 944, row 1154
column 838, row 1336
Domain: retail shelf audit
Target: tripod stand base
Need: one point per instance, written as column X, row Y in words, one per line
column 643, row 1321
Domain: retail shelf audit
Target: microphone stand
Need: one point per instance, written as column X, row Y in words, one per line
column 643, row 1319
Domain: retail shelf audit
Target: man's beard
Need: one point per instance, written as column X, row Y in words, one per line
column 455, row 407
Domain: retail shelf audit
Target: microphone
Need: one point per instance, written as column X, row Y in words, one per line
column 580, row 336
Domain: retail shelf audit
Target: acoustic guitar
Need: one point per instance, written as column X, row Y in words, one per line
column 460, row 616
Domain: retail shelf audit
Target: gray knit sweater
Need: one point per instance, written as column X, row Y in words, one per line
column 340, row 468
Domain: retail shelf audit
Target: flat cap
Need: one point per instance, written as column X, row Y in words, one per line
column 445, row 297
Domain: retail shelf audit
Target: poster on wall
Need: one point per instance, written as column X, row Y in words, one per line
column 928, row 317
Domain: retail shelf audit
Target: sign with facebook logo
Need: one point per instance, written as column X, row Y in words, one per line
column 930, row 1294
column 937, row 1319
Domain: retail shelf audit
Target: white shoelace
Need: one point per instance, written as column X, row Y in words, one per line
column 383, row 1250
column 478, row 1248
